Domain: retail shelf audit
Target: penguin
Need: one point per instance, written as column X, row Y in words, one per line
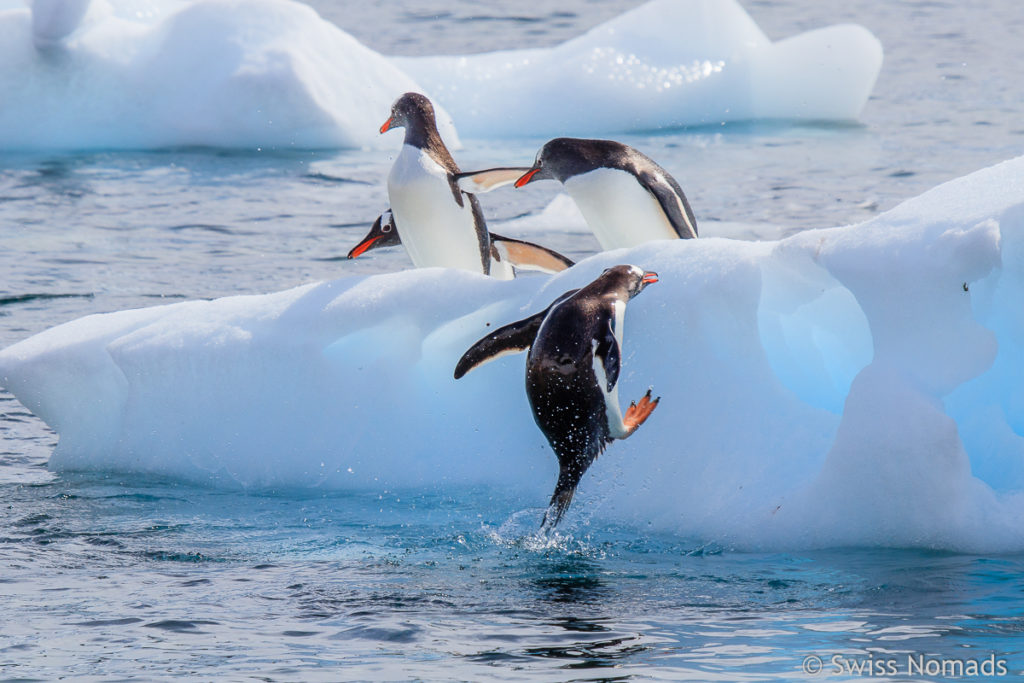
column 572, row 370
column 504, row 251
column 383, row 233
column 626, row 198
column 441, row 225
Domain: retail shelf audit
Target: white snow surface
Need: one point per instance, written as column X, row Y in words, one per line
column 667, row 63
column 140, row 74
column 860, row 385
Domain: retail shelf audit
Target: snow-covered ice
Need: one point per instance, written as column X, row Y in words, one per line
column 665, row 64
column 140, row 74
column 853, row 385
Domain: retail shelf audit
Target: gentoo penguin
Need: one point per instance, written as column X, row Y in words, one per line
column 575, row 349
column 504, row 251
column 383, row 233
column 441, row 225
column 626, row 198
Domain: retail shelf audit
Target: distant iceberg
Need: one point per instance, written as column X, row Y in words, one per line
column 858, row 385
column 139, row 74
column 131, row 74
column 665, row 64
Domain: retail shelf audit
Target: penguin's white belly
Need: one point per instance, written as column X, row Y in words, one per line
column 612, row 410
column 435, row 230
column 618, row 208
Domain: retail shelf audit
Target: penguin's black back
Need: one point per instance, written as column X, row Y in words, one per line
column 562, row 387
column 568, row 157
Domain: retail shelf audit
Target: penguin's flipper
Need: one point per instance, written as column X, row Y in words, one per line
column 513, row 338
column 637, row 413
column 673, row 203
column 478, row 182
column 528, row 256
column 482, row 237
column 456, row 192
column 384, row 233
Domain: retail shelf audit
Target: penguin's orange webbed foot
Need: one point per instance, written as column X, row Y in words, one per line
column 637, row 413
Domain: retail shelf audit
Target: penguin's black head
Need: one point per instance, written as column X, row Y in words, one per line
column 549, row 161
column 562, row 158
column 382, row 234
column 410, row 110
column 627, row 280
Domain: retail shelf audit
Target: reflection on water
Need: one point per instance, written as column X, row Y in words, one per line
column 184, row 569
column 574, row 580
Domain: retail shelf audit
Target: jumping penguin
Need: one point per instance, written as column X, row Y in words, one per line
column 572, row 369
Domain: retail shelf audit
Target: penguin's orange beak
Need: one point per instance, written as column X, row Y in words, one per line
column 386, row 126
column 527, row 177
column 361, row 248
column 650, row 277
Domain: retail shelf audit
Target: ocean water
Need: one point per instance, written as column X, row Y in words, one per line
column 113, row 577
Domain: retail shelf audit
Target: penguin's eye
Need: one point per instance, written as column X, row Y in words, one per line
column 386, row 228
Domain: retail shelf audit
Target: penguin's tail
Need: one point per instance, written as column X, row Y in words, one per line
column 556, row 508
column 560, row 501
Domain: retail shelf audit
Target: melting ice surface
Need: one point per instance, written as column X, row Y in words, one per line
column 129, row 74
column 156, row 73
column 667, row 63
column 853, row 385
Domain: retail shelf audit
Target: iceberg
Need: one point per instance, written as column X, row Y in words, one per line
column 143, row 74
column 665, row 64
column 858, row 385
